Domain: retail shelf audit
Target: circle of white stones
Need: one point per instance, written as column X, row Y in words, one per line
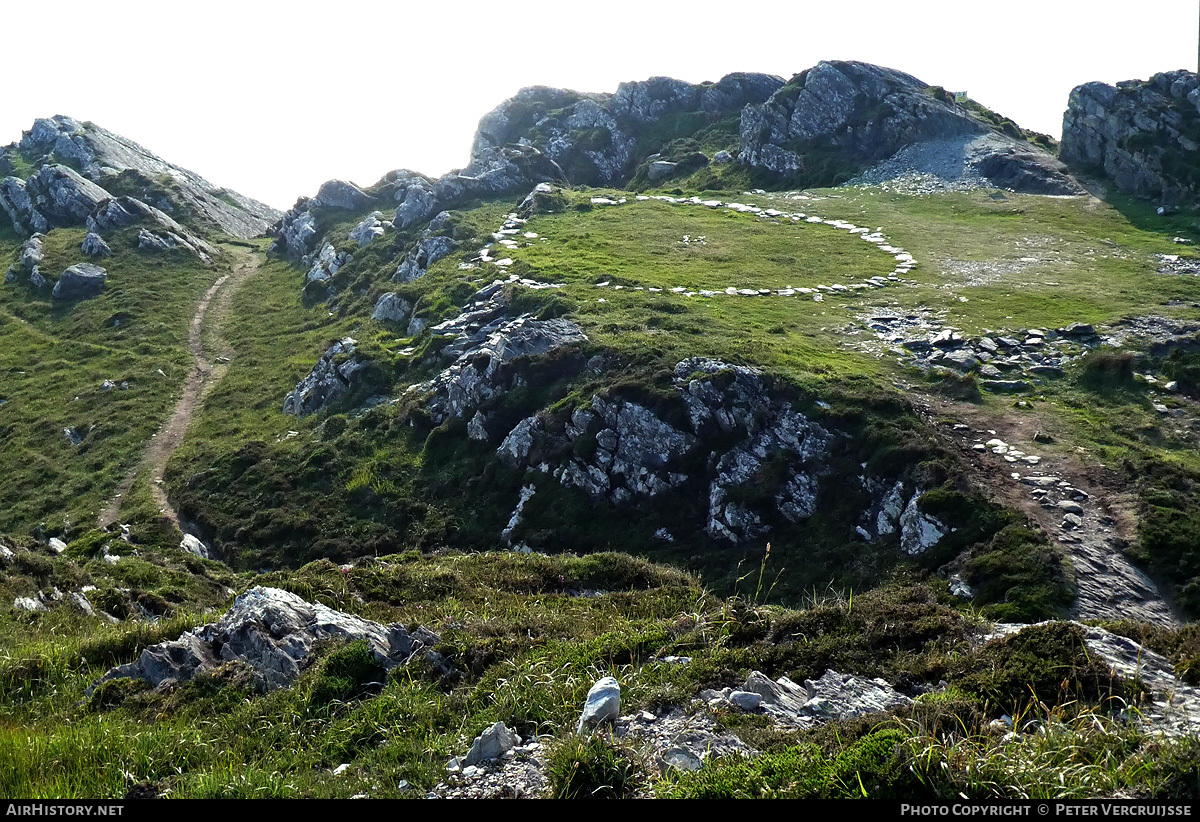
column 514, row 228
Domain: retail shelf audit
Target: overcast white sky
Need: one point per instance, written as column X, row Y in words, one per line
column 272, row 98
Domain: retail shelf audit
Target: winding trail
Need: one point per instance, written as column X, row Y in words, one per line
column 210, row 362
column 1109, row 585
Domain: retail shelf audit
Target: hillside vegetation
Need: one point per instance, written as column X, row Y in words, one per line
column 699, row 436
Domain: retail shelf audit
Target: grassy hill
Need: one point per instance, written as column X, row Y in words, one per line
column 376, row 506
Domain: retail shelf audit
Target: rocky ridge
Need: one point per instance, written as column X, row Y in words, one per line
column 1141, row 135
column 596, row 138
column 416, row 198
column 868, row 115
column 91, row 158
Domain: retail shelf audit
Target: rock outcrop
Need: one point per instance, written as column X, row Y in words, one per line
column 1144, row 136
column 863, row 115
column 274, row 633
column 94, row 246
column 165, row 234
column 62, row 196
column 483, row 370
column 343, row 196
column 618, row 450
column 371, row 228
column 75, row 162
column 29, row 261
column 80, row 282
column 326, row 264
column 729, row 436
column 391, row 308
column 56, row 195
column 595, row 137
column 492, row 172
column 335, row 373
column 436, row 242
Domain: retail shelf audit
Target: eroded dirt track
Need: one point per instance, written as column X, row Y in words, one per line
column 210, row 356
column 1109, row 585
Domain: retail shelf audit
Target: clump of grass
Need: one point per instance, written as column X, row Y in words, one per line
column 1048, row 754
column 350, row 672
column 1048, row 666
column 1019, row 576
column 1107, row 372
column 876, row 766
column 593, row 768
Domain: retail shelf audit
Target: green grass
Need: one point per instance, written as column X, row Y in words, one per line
column 55, row 357
column 518, row 646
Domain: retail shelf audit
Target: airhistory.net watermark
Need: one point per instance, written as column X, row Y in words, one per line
column 61, row 809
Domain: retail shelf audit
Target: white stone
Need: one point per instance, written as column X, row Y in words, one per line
column 745, row 700
column 491, row 744
column 603, row 704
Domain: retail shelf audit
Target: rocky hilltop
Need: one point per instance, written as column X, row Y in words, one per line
column 1142, row 135
column 748, row 438
column 61, row 169
column 824, row 125
column 860, row 115
column 599, row 139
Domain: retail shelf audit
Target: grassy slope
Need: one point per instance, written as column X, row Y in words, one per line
column 382, row 486
column 525, row 651
column 55, row 356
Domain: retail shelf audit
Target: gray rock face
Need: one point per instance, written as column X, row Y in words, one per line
column 29, row 260
column 32, row 253
column 919, row 531
column 328, row 263
column 16, row 202
column 99, row 154
column 492, row 171
column 594, row 137
column 94, row 246
column 618, row 450
column 369, row 229
column 480, row 372
column 330, row 379
column 414, row 204
column 80, row 282
column 296, row 232
column 62, row 196
column 428, row 251
column 491, row 744
column 1132, row 131
column 391, row 308
column 833, row 696
column 273, row 632
column 343, row 196
column 603, row 705
column 193, row 545
column 868, row 114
